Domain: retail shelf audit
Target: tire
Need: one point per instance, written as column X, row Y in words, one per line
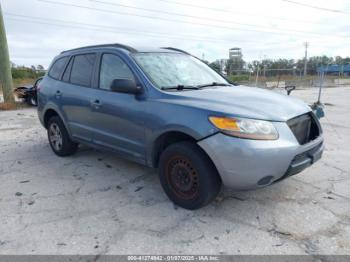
column 59, row 139
column 188, row 176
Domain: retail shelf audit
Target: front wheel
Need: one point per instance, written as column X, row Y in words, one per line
column 59, row 139
column 188, row 176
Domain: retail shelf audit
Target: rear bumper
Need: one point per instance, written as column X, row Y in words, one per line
column 247, row 164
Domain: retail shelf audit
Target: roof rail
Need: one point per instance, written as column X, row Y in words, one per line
column 176, row 49
column 179, row 50
column 128, row 48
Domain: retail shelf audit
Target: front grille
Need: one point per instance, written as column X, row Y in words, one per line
column 304, row 128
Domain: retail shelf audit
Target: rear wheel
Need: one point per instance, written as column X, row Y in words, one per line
column 188, row 176
column 59, row 139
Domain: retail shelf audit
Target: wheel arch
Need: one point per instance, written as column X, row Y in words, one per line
column 165, row 139
column 50, row 112
column 168, row 137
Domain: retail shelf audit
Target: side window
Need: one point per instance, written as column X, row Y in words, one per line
column 66, row 75
column 82, row 68
column 112, row 67
column 57, row 68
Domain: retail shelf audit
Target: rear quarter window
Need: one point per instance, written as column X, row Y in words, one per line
column 66, row 75
column 58, row 67
column 82, row 69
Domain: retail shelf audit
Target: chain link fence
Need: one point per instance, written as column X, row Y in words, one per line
column 280, row 78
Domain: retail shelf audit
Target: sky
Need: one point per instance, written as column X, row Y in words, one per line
column 38, row 30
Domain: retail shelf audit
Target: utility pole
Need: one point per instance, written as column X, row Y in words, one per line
column 5, row 68
column 306, row 45
column 257, row 76
column 264, row 65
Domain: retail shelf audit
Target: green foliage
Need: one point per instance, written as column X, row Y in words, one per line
column 239, row 78
column 22, row 72
column 235, row 64
column 215, row 66
column 312, row 64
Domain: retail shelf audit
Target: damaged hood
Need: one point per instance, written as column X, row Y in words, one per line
column 243, row 101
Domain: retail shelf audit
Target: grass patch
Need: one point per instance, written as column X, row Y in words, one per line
column 10, row 106
column 239, row 78
column 23, row 82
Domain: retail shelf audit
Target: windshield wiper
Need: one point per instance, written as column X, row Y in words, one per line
column 180, row 87
column 213, row 84
column 183, row 87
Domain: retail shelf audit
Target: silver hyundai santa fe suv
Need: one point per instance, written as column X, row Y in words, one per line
column 166, row 109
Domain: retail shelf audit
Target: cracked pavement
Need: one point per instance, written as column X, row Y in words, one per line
column 98, row 203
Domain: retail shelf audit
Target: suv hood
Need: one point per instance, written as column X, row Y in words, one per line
column 243, row 101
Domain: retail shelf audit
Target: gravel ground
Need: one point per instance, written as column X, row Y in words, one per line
column 97, row 203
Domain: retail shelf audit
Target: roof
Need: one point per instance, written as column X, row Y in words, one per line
column 128, row 48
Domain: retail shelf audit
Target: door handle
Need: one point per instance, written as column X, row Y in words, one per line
column 95, row 103
column 58, row 94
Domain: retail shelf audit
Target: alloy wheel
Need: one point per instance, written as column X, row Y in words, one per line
column 55, row 136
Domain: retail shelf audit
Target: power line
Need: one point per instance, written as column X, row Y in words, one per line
column 197, row 6
column 177, row 21
column 192, row 16
column 138, row 34
column 106, row 30
column 230, row 11
column 317, row 7
column 94, row 27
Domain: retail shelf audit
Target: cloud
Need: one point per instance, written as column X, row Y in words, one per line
column 276, row 27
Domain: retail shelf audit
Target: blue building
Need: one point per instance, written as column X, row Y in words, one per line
column 334, row 69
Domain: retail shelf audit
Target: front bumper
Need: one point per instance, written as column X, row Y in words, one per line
column 247, row 164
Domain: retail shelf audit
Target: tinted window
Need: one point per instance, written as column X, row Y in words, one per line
column 112, row 67
column 58, row 67
column 66, row 74
column 82, row 69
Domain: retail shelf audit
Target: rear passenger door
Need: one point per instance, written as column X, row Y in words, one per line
column 75, row 93
column 118, row 117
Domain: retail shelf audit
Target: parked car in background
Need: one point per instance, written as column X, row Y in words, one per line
column 167, row 109
column 28, row 93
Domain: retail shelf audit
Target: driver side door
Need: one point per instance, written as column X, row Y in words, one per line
column 118, row 117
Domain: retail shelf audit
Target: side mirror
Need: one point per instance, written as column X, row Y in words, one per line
column 289, row 89
column 125, row 86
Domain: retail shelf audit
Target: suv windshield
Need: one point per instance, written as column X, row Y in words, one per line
column 174, row 69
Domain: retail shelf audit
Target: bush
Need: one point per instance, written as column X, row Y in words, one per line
column 25, row 72
column 239, row 78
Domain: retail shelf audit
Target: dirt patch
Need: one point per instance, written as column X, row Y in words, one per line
column 10, row 106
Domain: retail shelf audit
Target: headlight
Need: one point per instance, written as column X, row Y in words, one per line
column 245, row 128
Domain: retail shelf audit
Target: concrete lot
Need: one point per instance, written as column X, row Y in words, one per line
column 97, row 203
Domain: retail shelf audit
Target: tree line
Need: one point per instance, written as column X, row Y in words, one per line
column 23, row 72
column 276, row 66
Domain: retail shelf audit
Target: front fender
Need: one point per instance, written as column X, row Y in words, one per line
column 154, row 136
